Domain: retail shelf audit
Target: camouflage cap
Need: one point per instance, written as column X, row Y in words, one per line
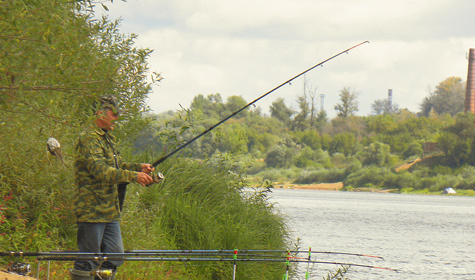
column 107, row 101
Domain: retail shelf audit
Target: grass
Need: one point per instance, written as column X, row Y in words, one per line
column 202, row 206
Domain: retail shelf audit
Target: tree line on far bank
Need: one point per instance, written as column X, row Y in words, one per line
column 304, row 146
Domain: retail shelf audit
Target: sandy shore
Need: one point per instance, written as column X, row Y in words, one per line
column 9, row 276
column 322, row 187
column 325, row 187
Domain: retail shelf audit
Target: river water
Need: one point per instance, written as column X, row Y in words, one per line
column 422, row 236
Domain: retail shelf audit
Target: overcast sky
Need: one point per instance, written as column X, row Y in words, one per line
column 248, row 47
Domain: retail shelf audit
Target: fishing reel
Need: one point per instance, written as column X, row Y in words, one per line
column 19, row 268
column 157, row 178
column 103, row 273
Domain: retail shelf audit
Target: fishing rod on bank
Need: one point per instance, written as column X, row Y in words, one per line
column 213, row 253
column 163, row 158
column 194, row 256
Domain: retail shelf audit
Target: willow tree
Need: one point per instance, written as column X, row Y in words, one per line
column 55, row 59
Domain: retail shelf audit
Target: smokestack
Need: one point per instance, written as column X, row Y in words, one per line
column 390, row 98
column 470, row 90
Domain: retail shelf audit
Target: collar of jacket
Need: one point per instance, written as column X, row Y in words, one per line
column 101, row 132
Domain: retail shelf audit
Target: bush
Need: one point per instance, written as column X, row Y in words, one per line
column 306, row 158
column 375, row 154
column 413, row 149
column 401, row 181
column 256, row 167
column 467, row 176
column 373, row 175
column 278, row 156
column 332, row 175
column 344, row 143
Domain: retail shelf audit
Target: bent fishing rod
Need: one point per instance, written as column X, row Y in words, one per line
column 163, row 158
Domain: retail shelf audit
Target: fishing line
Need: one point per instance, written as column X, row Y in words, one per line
column 163, row 158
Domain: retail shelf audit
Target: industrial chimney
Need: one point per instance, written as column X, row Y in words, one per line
column 470, row 90
column 390, row 98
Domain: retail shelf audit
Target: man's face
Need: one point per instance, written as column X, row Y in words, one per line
column 107, row 118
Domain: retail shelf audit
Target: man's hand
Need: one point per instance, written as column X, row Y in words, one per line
column 143, row 179
column 147, row 168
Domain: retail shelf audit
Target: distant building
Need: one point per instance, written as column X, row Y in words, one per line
column 430, row 148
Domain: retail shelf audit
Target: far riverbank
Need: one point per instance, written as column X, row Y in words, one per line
column 340, row 187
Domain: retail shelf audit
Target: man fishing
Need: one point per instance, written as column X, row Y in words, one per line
column 99, row 170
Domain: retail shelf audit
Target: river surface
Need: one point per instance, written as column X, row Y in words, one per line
column 422, row 236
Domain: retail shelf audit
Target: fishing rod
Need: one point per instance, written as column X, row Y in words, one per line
column 191, row 255
column 163, row 158
column 207, row 259
column 101, row 258
column 214, row 253
column 235, row 256
column 247, row 252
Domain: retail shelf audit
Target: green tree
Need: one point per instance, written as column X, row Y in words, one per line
column 457, row 141
column 321, row 121
column 233, row 104
column 232, row 138
column 310, row 138
column 55, row 61
column 382, row 107
column 306, row 158
column 280, row 111
column 375, row 154
column 348, row 105
column 300, row 121
column 211, row 106
column 344, row 143
column 279, row 156
column 448, row 98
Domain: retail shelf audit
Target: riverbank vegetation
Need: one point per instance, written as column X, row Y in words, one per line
column 395, row 150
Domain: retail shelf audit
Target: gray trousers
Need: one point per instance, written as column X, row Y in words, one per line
column 99, row 238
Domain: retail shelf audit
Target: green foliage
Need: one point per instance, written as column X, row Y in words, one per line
column 372, row 176
column 457, row 141
column 383, row 107
column 448, row 98
column 404, row 133
column 202, row 206
column 280, row 111
column 55, row 60
column 332, row 175
column 348, row 105
column 306, row 158
column 343, row 143
column 232, row 138
column 413, row 149
column 310, row 138
column 334, row 152
column 375, row 154
column 278, row 156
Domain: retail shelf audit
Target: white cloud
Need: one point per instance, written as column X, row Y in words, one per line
column 248, row 47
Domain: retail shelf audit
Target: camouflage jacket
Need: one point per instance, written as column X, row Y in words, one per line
column 98, row 168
